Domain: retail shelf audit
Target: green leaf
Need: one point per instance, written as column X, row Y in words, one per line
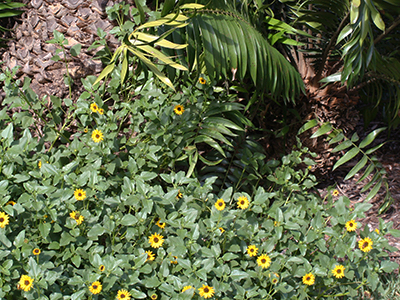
column 237, row 275
column 310, row 124
column 368, row 171
column 388, row 266
column 128, row 220
column 107, row 70
column 346, row 144
column 348, row 156
column 76, row 50
column 357, row 167
column 371, row 137
column 325, row 128
column 374, row 191
column 44, row 229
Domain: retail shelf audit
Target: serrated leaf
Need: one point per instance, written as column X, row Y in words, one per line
column 348, row 156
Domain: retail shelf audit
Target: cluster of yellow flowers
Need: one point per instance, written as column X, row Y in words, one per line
column 95, row 108
column 242, row 203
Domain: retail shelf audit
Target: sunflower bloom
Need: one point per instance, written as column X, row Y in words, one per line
column 102, row 268
column 123, row 295
column 4, row 219
column 221, row 229
column 206, row 291
column 85, row 130
column 185, row 288
column 220, row 204
column 338, row 271
column 180, row 195
column 77, row 217
column 97, row 136
column 252, row 250
column 309, row 279
column 351, row 225
column 179, row 109
column 160, row 224
column 175, row 261
column 80, row 194
column 335, row 193
column 13, row 203
column 202, row 80
column 243, row 202
column 96, row 287
column 264, row 261
column 26, row 283
column 101, row 111
column 93, row 107
column 365, row 244
column 154, row 297
column 156, row 240
column 36, row 251
column 377, row 231
column 150, row 255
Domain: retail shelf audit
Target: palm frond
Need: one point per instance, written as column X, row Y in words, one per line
column 231, row 47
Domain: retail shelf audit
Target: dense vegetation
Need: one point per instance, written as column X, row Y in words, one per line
column 154, row 183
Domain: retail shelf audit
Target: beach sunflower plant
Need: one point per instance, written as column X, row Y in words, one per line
column 157, row 194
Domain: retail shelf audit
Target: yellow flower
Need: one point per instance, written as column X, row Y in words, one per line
column 351, row 225
column 123, row 295
column 94, row 107
column 335, row 193
column 185, row 288
column 252, row 250
column 25, row 283
column 85, row 130
column 243, row 202
column 36, row 251
column 156, row 240
column 150, row 255
column 276, row 223
column 365, row 244
column 4, row 219
column 221, row 229
column 102, row 268
column 96, row 287
column 377, row 231
column 11, row 202
column 175, row 261
column 79, row 194
column 100, row 111
column 206, row 291
column 274, row 280
column 264, row 261
column 97, row 136
column 220, row 204
column 160, row 224
column 309, row 279
column 179, row 109
column 338, row 271
column 179, row 195
column 40, row 164
column 154, row 297
column 77, row 217
column 202, row 80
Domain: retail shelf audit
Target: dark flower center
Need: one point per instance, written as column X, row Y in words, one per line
column 308, row 278
column 26, row 282
column 97, row 135
column 80, row 194
column 95, row 287
column 122, row 296
column 1, row 220
column 351, row 225
column 365, row 245
column 242, row 202
column 263, row 261
column 251, row 250
column 206, row 290
column 220, row 204
column 339, row 271
column 156, row 240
